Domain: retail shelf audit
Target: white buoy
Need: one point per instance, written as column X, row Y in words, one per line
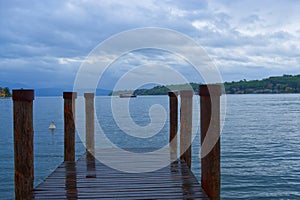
column 52, row 126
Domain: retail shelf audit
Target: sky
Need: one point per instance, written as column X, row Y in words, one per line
column 44, row 43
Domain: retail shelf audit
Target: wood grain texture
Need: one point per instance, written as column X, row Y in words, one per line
column 69, row 125
column 186, row 105
column 89, row 122
column 23, row 143
column 70, row 181
column 210, row 135
column 173, row 139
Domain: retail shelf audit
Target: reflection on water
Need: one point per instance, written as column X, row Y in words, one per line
column 90, row 166
column 71, row 181
column 260, row 143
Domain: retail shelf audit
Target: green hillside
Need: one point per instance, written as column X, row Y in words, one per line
column 276, row 84
column 4, row 92
column 163, row 90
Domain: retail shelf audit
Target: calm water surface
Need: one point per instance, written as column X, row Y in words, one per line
column 260, row 142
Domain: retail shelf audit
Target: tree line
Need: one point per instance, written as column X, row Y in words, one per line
column 5, row 92
column 275, row 84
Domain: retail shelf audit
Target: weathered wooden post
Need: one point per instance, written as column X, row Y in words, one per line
column 23, row 143
column 210, row 139
column 69, row 121
column 89, row 122
column 173, row 104
column 186, row 105
column 90, row 131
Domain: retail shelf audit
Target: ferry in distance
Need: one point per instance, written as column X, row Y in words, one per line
column 127, row 95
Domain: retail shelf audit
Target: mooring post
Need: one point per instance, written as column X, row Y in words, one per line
column 69, row 122
column 186, row 105
column 210, row 139
column 90, row 132
column 173, row 104
column 89, row 122
column 23, row 143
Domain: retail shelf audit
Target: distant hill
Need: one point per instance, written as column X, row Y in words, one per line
column 49, row 91
column 163, row 90
column 11, row 85
column 276, row 84
column 102, row 92
column 158, row 89
column 59, row 92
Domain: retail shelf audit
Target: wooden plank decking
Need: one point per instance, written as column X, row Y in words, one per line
column 88, row 178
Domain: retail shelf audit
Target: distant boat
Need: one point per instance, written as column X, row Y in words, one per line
column 127, row 95
column 52, row 126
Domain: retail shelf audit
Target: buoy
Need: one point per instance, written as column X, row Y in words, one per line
column 52, row 126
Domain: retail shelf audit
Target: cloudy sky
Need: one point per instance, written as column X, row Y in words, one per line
column 43, row 43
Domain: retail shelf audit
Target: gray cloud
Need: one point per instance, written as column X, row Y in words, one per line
column 50, row 38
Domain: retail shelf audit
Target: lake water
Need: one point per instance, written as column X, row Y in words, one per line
column 260, row 142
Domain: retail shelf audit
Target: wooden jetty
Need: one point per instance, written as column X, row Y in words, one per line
column 88, row 178
column 74, row 180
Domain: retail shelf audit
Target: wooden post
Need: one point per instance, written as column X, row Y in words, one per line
column 69, row 120
column 89, row 122
column 210, row 139
column 23, row 143
column 90, row 132
column 173, row 103
column 186, row 106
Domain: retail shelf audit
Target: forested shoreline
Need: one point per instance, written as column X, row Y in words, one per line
column 5, row 92
column 275, row 84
